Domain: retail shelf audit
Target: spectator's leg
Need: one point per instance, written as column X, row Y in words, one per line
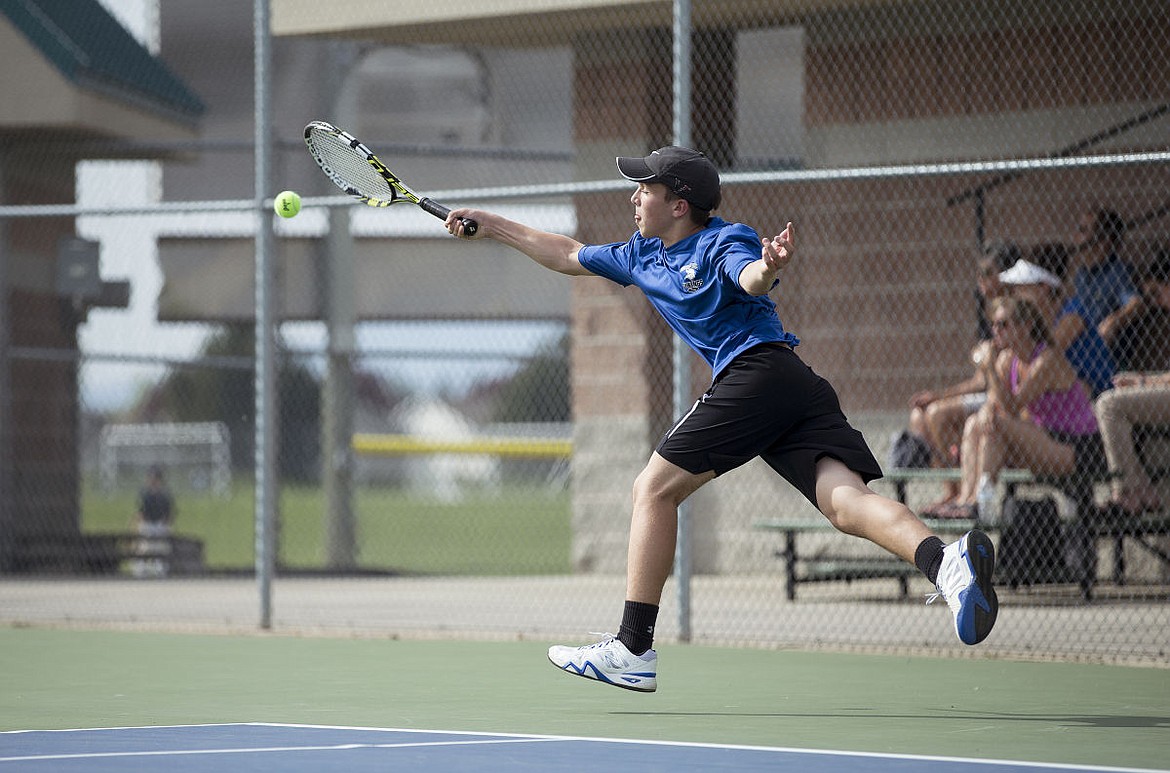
column 1020, row 443
column 975, row 440
column 1118, row 410
column 944, row 420
column 918, row 423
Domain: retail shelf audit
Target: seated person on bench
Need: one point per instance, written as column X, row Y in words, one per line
column 1038, row 414
column 1141, row 396
column 937, row 417
column 156, row 511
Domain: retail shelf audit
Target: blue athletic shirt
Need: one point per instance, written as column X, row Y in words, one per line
column 1103, row 289
column 694, row 285
column 1088, row 353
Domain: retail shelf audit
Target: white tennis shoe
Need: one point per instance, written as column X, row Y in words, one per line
column 965, row 581
column 610, row 662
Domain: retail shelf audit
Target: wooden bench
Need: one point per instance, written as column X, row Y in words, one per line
column 801, row 568
column 1117, row 525
column 1099, row 523
column 820, row 567
column 902, row 477
column 105, row 553
column 1094, row 522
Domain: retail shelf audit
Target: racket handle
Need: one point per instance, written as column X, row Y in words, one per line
column 441, row 212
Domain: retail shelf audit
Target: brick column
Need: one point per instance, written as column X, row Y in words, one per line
column 621, row 347
column 622, row 374
column 39, row 455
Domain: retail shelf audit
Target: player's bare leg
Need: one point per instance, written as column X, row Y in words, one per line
column 854, row 508
column 658, row 491
column 962, row 571
column 627, row 660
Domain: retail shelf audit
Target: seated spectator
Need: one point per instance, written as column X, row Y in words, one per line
column 1138, row 399
column 1102, row 280
column 1142, row 394
column 1040, row 279
column 1038, row 414
column 1144, row 344
column 937, row 417
column 156, row 513
column 997, row 257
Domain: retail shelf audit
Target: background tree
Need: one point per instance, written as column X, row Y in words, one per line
column 224, row 391
column 539, row 391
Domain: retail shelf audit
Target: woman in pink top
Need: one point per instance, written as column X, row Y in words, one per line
column 1038, row 415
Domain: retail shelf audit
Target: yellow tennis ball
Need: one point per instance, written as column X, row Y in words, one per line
column 287, row 203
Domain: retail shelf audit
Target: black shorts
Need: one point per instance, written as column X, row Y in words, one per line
column 768, row 403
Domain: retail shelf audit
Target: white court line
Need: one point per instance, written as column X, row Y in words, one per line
column 744, row 747
column 128, row 727
column 499, row 738
column 270, row 749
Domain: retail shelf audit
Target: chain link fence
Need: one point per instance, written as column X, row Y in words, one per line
column 458, row 429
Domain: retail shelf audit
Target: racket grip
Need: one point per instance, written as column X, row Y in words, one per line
column 441, row 212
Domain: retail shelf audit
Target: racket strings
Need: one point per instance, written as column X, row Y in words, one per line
column 345, row 164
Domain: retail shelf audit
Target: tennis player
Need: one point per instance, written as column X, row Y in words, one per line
column 709, row 280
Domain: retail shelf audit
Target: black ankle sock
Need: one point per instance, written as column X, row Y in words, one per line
column 928, row 557
column 637, row 630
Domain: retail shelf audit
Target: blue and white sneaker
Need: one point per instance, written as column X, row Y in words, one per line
column 610, row 662
column 964, row 580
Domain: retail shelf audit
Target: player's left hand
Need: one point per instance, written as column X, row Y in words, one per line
column 778, row 251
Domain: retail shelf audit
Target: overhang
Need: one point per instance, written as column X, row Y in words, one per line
column 523, row 22
column 69, row 69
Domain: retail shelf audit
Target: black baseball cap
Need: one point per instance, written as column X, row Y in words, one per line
column 688, row 173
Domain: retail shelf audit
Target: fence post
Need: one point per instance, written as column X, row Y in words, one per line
column 265, row 431
column 680, row 352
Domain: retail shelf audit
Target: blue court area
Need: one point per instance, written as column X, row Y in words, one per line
column 311, row 749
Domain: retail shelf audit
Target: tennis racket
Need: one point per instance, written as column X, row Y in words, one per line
column 356, row 170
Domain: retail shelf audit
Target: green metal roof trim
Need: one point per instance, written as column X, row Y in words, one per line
column 93, row 50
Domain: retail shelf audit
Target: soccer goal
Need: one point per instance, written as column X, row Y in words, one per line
column 195, row 455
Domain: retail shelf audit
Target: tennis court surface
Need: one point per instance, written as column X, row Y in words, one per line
column 107, row 700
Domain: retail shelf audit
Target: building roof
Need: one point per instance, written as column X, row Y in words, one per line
column 93, row 50
column 511, row 21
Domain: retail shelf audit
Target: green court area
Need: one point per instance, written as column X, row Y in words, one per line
column 1063, row 713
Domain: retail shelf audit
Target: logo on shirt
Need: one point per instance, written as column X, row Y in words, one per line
column 690, row 282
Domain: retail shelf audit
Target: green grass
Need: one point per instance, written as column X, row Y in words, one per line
column 512, row 530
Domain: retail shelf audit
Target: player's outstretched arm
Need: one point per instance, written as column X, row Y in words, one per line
column 758, row 277
column 553, row 251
